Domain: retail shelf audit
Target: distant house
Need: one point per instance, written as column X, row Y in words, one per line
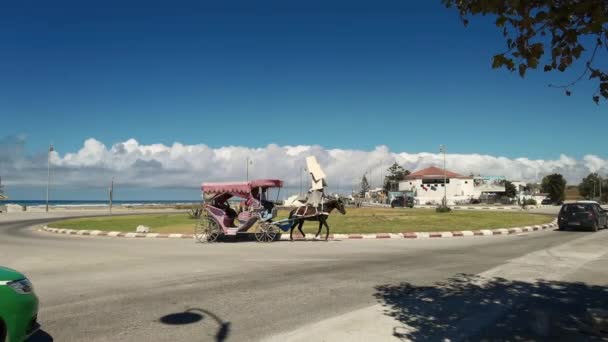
column 429, row 187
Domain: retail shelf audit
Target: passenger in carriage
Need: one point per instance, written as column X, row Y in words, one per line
column 260, row 199
column 230, row 213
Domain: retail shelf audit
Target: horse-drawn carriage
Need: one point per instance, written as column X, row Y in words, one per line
column 219, row 218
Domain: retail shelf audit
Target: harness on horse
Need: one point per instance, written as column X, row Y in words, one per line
column 310, row 210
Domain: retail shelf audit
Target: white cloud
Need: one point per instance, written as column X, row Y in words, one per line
column 186, row 166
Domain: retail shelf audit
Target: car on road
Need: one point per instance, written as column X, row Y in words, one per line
column 402, row 201
column 582, row 214
column 18, row 306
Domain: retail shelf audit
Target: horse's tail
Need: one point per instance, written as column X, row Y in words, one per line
column 292, row 212
column 291, row 215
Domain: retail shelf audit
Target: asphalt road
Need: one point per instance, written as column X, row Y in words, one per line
column 113, row 289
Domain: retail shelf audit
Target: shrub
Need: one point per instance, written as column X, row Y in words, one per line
column 195, row 213
column 530, row 201
column 443, row 209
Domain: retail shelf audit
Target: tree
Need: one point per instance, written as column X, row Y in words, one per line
column 364, row 186
column 510, row 190
column 590, row 187
column 563, row 28
column 555, row 186
column 531, row 187
column 395, row 173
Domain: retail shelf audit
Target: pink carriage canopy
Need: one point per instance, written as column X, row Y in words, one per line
column 241, row 189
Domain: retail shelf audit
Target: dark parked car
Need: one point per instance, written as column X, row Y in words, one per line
column 546, row 201
column 402, row 201
column 584, row 214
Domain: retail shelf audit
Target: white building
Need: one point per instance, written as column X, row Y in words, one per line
column 429, row 188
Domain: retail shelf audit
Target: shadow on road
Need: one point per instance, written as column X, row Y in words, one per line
column 195, row 315
column 467, row 307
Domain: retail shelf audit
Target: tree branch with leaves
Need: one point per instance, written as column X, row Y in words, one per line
column 558, row 28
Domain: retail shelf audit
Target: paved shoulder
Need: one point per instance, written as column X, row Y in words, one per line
column 526, row 296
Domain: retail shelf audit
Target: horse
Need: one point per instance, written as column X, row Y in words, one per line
column 310, row 213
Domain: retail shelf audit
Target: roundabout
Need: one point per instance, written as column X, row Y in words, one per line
column 162, row 277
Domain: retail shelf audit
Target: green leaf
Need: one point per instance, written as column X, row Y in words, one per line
column 541, row 16
column 522, row 70
column 547, row 68
column 576, row 52
column 500, row 22
column 498, row 61
column 596, row 99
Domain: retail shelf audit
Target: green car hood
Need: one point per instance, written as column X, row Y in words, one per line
column 7, row 274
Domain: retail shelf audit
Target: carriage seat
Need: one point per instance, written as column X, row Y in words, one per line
column 269, row 214
column 246, row 220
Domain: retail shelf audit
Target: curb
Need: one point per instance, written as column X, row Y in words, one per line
column 405, row 235
column 467, row 207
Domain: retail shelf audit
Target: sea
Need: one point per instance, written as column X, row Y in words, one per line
column 92, row 203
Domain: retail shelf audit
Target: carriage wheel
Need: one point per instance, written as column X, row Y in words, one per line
column 266, row 232
column 207, row 230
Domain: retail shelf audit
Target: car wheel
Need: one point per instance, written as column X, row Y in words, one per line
column 2, row 331
column 594, row 227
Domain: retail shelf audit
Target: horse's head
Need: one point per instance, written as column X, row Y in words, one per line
column 340, row 206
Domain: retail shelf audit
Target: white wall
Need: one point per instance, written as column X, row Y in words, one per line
column 457, row 189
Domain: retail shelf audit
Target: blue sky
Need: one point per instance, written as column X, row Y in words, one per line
column 340, row 74
column 348, row 75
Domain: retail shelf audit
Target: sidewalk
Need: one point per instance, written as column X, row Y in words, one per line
column 541, row 295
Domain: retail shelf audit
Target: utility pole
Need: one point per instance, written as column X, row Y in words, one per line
column 442, row 148
column 48, row 176
column 111, row 194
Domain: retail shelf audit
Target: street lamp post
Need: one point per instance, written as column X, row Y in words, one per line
column 249, row 162
column 442, row 149
column 301, row 172
column 111, row 193
column 600, row 181
column 48, row 176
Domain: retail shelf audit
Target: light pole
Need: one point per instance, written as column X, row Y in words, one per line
column 301, row 172
column 381, row 172
column 600, row 181
column 111, row 193
column 249, row 162
column 48, row 176
column 442, row 149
